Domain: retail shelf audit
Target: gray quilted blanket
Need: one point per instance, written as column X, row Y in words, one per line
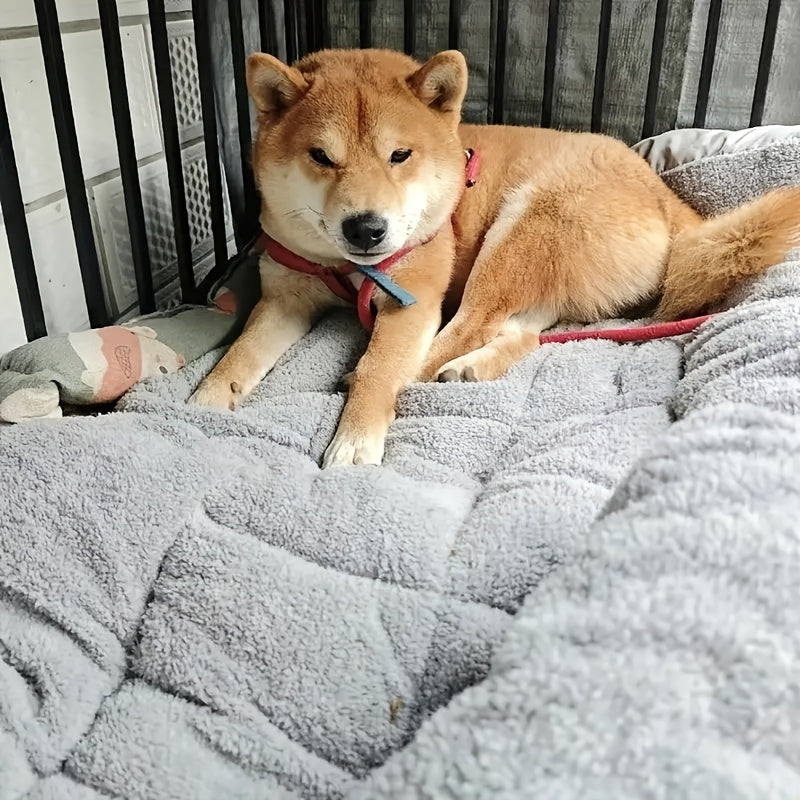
column 578, row 581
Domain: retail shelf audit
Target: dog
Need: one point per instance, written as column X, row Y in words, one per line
column 361, row 159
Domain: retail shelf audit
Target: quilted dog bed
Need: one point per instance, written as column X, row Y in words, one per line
column 579, row 580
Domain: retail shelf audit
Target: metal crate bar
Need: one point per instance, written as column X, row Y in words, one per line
column 364, row 24
column 409, row 28
column 765, row 62
column 707, row 65
column 266, row 31
column 64, row 121
column 454, row 25
column 654, row 75
column 498, row 94
column 316, row 14
column 291, row 25
column 205, row 80
column 172, row 147
column 128, row 167
column 603, row 37
column 19, row 242
column 551, row 50
column 251, row 206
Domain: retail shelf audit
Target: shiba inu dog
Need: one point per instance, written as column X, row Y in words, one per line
column 361, row 159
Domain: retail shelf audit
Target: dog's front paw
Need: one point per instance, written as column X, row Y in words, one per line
column 351, row 447
column 218, row 393
column 475, row 366
column 448, row 374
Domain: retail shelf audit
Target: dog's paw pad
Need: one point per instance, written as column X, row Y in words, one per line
column 467, row 369
column 236, row 395
column 218, row 394
column 347, row 451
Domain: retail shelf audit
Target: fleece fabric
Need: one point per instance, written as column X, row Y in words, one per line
column 577, row 581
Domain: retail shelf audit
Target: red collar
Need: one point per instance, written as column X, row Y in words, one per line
column 473, row 166
column 334, row 277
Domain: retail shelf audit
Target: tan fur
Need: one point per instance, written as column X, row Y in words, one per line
column 708, row 260
column 559, row 226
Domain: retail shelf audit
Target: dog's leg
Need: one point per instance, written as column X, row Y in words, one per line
column 518, row 336
column 464, row 333
column 492, row 292
column 272, row 328
column 393, row 358
column 547, row 257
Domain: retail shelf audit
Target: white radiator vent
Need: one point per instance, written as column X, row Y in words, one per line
column 25, row 88
column 184, row 77
column 112, row 221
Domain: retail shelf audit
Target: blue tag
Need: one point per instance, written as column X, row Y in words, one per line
column 387, row 284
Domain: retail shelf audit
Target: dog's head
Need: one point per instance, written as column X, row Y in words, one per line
column 357, row 153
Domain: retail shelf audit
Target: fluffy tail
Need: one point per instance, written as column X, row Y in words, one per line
column 709, row 259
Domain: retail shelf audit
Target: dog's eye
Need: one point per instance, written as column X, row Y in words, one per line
column 321, row 157
column 399, row 156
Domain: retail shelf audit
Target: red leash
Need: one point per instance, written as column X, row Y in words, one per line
column 337, row 282
column 645, row 333
column 334, row 279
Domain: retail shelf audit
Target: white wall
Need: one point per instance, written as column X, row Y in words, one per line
column 33, row 134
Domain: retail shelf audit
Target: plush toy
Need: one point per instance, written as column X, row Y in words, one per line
column 97, row 367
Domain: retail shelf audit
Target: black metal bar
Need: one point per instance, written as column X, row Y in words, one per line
column 269, row 43
column 409, row 27
column 365, row 23
column 243, row 115
column 765, row 62
column 19, row 242
column 323, row 34
column 603, row 35
column 291, row 30
column 126, row 149
column 69, row 154
column 202, row 40
column 551, row 50
column 313, row 30
column 498, row 95
column 263, row 28
column 454, row 20
column 707, row 65
column 172, row 147
column 654, row 75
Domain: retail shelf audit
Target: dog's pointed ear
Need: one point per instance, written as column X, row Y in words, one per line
column 441, row 83
column 272, row 84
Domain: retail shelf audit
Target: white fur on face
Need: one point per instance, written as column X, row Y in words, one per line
column 402, row 224
column 298, row 215
column 296, row 210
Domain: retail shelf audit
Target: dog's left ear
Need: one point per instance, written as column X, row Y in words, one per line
column 441, row 83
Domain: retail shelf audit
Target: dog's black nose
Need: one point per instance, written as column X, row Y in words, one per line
column 365, row 231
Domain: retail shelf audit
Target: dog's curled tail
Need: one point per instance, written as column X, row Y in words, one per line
column 707, row 260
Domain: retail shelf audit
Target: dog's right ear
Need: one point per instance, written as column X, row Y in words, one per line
column 272, row 84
